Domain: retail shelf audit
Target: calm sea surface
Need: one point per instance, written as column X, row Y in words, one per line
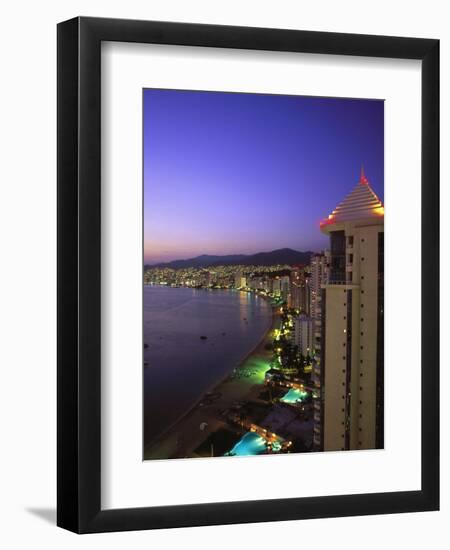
column 181, row 366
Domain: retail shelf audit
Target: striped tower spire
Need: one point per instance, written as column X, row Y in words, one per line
column 361, row 203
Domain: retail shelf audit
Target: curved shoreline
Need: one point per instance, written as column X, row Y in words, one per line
column 150, row 451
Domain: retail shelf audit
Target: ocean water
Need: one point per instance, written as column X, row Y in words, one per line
column 181, row 366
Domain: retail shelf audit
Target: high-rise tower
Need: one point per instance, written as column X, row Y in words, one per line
column 351, row 411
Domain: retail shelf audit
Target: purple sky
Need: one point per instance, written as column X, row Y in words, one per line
column 229, row 173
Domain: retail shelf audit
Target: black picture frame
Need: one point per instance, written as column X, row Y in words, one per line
column 79, row 281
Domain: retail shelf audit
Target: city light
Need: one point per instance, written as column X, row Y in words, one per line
column 284, row 377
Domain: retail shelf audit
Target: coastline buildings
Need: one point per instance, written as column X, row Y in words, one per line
column 350, row 412
column 334, row 315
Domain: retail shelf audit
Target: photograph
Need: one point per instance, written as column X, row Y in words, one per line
column 263, row 274
column 199, row 301
column 223, row 305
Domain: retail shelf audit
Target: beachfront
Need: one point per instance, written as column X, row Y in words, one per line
column 242, row 384
column 220, row 422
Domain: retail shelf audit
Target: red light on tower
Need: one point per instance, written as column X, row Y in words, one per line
column 362, row 177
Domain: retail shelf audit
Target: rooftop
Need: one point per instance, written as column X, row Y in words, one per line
column 360, row 204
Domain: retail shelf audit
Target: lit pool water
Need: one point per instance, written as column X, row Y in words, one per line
column 250, row 444
column 294, row 395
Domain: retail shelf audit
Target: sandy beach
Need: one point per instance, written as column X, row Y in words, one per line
column 242, row 384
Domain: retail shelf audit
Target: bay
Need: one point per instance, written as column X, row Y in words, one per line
column 181, row 366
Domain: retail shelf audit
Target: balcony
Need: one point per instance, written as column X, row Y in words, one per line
column 338, row 281
column 347, row 280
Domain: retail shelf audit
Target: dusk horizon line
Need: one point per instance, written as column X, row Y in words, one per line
column 245, row 254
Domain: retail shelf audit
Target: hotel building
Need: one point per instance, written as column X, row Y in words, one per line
column 240, row 280
column 299, row 297
column 302, row 335
column 284, row 287
column 350, row 410
column 296, row 278
column 276, row 286
column 319, row 275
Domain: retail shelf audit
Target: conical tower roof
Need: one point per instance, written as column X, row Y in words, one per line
column 360, row 204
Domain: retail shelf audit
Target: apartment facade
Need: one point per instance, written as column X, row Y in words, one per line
column 350, row 412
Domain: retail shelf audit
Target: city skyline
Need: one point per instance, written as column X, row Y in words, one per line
column 235, row 259
column 273, row 344
column 317, row 375
column 219, row 166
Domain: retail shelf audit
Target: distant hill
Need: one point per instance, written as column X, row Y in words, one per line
column 281, row 256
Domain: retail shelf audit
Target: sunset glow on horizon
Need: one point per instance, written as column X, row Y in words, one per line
column 231, row 173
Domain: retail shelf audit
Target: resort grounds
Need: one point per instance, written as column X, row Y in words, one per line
column 243, row 414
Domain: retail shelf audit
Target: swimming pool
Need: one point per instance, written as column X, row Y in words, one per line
column 293, row 396
column 250, row 444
